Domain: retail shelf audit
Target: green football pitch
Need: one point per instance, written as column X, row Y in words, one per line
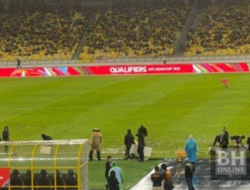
column 170, row 106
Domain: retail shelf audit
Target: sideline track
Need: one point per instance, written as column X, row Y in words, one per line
column 201, row 178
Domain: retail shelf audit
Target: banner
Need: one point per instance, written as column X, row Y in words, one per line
column 4, row 177
column 142, row 69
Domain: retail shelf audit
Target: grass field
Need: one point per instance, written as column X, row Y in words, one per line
column 170, row 106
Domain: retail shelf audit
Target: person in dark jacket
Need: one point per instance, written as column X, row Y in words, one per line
column 141, row 145
column 189, row 172
column 46, row 137
column 113, row 182
column 248, row 143
column 143, row 130
column 18, row 63
column 237, row 140
column 224, row 138
column 217, row 140
column 157, row 178
column 108, row 166
column 128, row 141
column 6, row 137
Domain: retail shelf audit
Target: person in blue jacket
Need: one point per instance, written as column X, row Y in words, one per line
column 191, row 149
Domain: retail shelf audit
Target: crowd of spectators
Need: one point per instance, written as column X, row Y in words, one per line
column 136, row 28
column 225, row 30
column 34, row 30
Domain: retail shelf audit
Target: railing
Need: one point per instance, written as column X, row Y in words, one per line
column 182, row 59
column 138, row 59
column 7, row 63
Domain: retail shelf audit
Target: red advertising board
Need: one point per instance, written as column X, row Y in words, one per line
column 4, row 177
column 140, row 69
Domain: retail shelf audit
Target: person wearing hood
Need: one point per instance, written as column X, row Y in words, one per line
column 118, row 174
column 128, row 141
column 113, row 182
column 191, row 149
column 95, row 144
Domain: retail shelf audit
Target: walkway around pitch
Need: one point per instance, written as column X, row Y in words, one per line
column 201, row 179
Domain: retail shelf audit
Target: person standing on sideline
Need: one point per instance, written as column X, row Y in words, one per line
column 18, row 63
column 143, row 130
column 128, row 141
column 113, row 182
column 189, row 172
column 6, row 137
column 118, row 174
column 156, row 179
column 108, row 166
column 141, row 145
column 191, row 149
column 167, row 178
column 248, row 143
column 95, row 144
column 224, row 138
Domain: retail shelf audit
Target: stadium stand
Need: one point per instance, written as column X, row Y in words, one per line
column 224, row 30
column 127, row 29
column 134, row 29
column 36, row 31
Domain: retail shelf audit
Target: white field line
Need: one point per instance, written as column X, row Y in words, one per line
column 67, row 98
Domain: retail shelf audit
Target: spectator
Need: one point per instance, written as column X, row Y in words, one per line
column 18, row 63
column 222, row 31
column 45, row 30
column 153, row 27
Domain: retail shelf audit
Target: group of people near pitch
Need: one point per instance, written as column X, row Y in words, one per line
column 162, row 177
column 223, row 140
column 96, row 141
column 113, row 173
